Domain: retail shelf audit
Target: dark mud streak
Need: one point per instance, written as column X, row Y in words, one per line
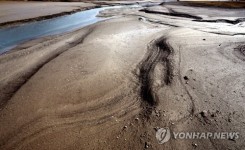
column 158, row 52
column 234, row 22
column 171, row 13
column 220, row 33
column 8, row 89
column 180, row 14
column 153, row 20
column 241, row 49
column 159, row 22
column 239, row 52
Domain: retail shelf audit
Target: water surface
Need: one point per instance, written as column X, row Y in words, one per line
column 12, row 36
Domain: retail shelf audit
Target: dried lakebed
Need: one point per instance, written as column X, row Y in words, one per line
column 112, row 84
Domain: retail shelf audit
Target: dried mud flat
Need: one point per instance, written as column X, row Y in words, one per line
column 111, row 84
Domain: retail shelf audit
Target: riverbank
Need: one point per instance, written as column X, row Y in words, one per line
column 16, row 13
column 113, row 84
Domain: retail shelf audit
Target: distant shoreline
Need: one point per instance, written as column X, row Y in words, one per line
column 217, row 4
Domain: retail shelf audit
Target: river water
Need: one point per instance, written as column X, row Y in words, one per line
column 12, row 36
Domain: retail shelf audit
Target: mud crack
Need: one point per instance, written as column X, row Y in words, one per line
column 234, row 22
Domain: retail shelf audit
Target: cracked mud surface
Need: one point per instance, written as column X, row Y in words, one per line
column 112, row 84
